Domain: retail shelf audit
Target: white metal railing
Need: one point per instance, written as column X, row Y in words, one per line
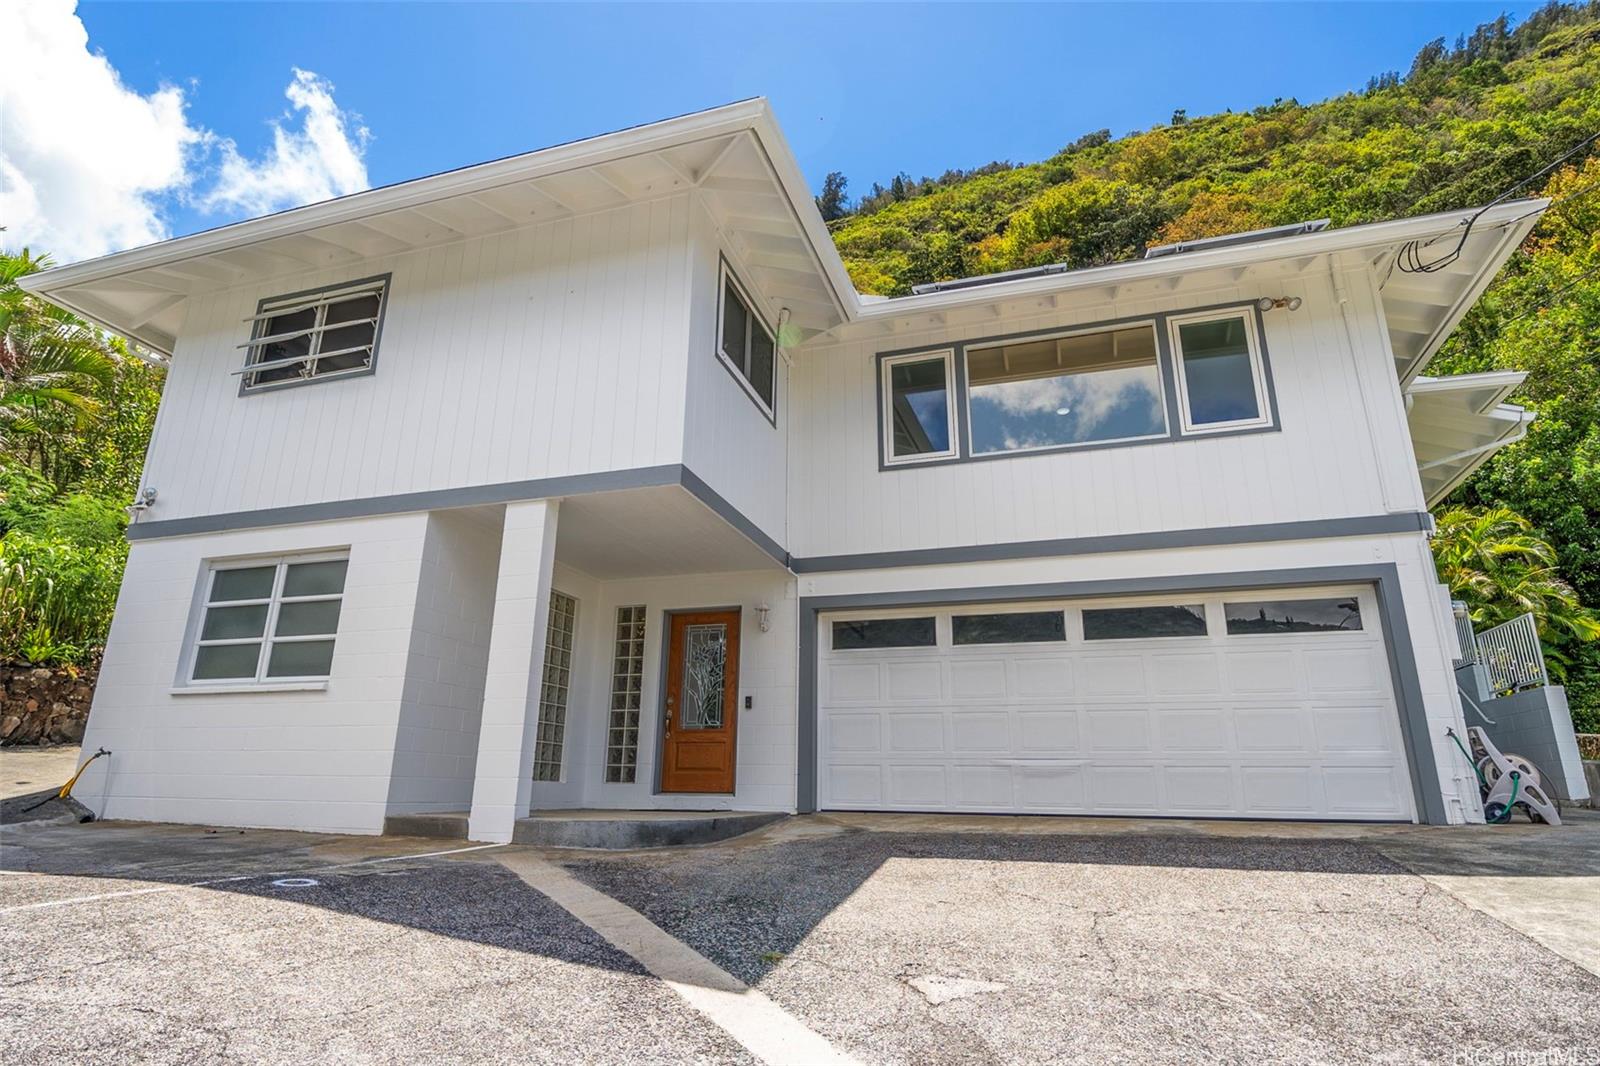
column 1466, row 640
column 1512, row 656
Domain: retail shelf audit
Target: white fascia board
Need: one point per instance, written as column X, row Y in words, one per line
column 1372, row 235
column 637, row 140
column 1501, row 383
column 787, row 170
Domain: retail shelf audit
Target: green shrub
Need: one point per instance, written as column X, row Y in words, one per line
column 56, row 596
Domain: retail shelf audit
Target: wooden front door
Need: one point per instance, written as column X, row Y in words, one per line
column 701, row 702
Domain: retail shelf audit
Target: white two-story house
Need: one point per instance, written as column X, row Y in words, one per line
column 586, row 479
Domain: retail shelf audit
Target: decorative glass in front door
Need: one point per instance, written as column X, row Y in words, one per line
column 705, row 660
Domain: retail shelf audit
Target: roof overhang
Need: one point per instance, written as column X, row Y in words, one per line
column 737, row 161
column 734, row 157
column 1422, row 308
column 1458, row 422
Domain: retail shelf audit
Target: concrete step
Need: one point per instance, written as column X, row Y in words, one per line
column 596, row 829
column 627, row 830
column 451, row 825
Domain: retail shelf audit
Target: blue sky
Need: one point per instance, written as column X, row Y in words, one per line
column 869, row 90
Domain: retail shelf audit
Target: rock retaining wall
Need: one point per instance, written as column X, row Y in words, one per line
column 44, row 704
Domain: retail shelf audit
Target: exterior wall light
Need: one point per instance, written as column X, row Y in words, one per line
column 762, row 610
column 1267, row 303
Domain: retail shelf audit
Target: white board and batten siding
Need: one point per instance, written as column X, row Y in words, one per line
column 551, row 350
column 1337, row 454
column 729, row 442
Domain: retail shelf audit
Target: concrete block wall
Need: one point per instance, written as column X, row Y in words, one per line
column 317, row 759
column 436, row 738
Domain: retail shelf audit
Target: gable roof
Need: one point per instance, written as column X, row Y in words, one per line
column 736, row 158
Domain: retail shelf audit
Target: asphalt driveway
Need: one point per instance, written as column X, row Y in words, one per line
column 173, row 944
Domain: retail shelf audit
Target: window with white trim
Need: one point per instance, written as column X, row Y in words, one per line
column 551, row 740
column 313, row 336
column 920, row 421
column 1221, row 384
column 745, row 344
column 269, row 621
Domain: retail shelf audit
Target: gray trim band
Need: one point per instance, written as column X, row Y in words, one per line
column 1318, row 529
column 370, row 506
column 470, row 496
column 732, row 515
column 1384, row 577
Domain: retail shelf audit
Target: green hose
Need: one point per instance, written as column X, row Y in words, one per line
column 1511, row 804
column 1464, row 753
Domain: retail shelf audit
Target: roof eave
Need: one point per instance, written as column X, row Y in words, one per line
column 1368, row 235
column 754, row 114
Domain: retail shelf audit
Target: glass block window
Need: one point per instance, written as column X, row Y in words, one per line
column 627, row 682
column 553, row 689
column 269, row 620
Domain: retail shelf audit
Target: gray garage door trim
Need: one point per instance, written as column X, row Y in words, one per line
column 1383, row 577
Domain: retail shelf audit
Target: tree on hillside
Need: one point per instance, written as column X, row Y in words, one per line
column 832, row 203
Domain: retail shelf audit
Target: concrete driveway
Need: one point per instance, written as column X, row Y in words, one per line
column 866, row 939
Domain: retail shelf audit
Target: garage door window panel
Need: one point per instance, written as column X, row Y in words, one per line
column 1331, row 614
column 1138, row 623
column 871, row 633
column 1029, row 627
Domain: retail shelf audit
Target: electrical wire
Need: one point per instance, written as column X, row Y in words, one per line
column 1549, row 297
column 1408, row 260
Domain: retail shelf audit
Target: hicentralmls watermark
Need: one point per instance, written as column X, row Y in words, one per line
column 1578, row 1055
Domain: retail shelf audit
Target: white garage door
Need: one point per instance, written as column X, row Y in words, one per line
column 1275, row 704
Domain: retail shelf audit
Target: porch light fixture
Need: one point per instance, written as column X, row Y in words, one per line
column 1267, row 303
column 761, row 617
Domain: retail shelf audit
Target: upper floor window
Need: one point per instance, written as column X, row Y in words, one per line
column 1220, row 381
column 920, row 421
column 1163, row 378
column 269, row 620
column 310, row 336
column 1074, row 389
column 745, row 344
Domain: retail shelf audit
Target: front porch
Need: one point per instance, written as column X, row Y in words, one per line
column 555, row 640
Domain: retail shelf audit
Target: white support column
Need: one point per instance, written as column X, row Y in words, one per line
column 503, row 783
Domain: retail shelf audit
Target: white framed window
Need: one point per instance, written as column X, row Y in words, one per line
column 1221, row 380
column 745, row 345
column 919, row 415
column 1089, row 386
column 269, row 621
column 550, row 742
column 331, row 332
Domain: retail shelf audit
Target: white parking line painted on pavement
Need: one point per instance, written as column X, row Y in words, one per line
column 763, row 1028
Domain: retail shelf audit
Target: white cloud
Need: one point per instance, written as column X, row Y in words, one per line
column 90, row 166
column 320, row 160
column 82, row 157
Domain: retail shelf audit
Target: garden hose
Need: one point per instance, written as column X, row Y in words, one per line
column 66, row 789
column 1451, row 733
column 1504, row 816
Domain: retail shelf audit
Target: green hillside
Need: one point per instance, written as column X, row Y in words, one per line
column 1465, row 124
